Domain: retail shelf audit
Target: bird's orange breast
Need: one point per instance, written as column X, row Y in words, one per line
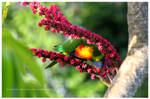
column 85, row 52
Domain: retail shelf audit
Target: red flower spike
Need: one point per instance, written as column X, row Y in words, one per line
column 55, row 19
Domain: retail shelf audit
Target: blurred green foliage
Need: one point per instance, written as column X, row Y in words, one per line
column 23, row 75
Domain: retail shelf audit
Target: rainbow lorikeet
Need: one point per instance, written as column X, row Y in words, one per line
column 78, row 48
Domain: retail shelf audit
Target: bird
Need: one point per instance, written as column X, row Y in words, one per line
column 78, row 48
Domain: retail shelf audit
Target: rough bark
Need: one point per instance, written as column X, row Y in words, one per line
column 135, row 66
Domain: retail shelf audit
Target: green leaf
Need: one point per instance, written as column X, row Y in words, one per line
column 23, row 54
column 5, row 11
column 7, row 69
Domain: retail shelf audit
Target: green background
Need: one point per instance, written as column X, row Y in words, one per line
column 23, row 75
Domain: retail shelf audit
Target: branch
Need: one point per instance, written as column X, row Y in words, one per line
column 135, row 66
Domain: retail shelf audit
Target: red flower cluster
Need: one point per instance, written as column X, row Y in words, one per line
column 62, row 59
column 56, row 22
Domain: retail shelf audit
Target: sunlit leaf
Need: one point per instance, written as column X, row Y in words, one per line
column 5, row 11
column 17, row 64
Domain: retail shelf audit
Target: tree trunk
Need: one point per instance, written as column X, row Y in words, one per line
column 135, row 66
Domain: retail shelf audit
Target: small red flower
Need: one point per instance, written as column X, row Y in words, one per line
column 118, row 58
column 94, row 69
column 84, row 65
column 105, row 76
column 62, row 64
column 66, row 58
column 93, row 76
column 89, row 70
column 78, row 67
column 72, row 61
column 58, row 60
column 53, row 30
column 80, row 70
column 34, row 11
column 112, row 55
column 39, row 55
column 44, row 60
column 25, row 3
